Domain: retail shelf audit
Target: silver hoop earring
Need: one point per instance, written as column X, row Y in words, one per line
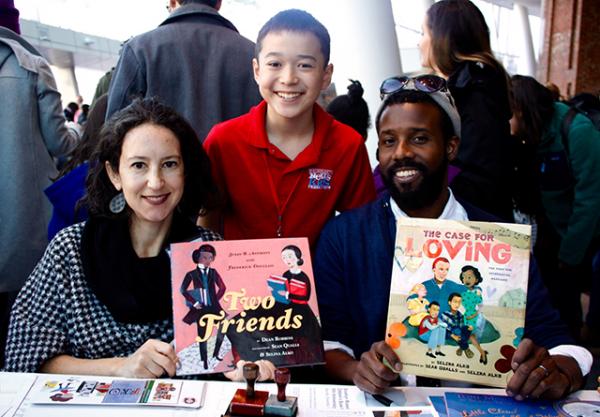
column 117, row 203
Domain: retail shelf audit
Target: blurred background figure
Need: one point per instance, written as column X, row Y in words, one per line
column 195, row 61
column 456, row 45
column 351, row 109
column 33, row 132
column 567, row 157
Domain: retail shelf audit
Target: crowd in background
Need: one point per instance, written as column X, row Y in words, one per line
column 227, row 132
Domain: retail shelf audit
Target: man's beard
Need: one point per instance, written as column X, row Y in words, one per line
column 427, row 191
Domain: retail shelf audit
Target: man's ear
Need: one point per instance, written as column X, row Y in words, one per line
column 255, row 69
column 452, row 147
column 113, row 176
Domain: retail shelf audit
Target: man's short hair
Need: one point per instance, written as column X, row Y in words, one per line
column 211, row 3
column 295, row 20
column 416, row 96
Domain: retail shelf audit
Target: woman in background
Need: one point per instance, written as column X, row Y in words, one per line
column 456, row 45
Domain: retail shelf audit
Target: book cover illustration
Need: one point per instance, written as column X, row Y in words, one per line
column 457, row 298
column 481, row 405
column 578, row 408
column 82, row 391
column 244, row 300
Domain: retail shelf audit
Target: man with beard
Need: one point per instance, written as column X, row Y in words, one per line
column 418, row 136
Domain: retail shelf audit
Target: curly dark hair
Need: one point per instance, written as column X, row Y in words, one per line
column 200, row 192
column 472, row 269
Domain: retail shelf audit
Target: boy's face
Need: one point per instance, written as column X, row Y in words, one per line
column 290, row 73
column 455, row 303
column 434, row 311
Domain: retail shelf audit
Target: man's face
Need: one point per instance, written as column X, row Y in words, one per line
column 206, row 258
column 440, row 271
column 455, row 303
column 413, row 155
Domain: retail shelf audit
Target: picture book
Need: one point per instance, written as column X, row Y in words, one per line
column 109, row 391
column 481, row 405
column 244, row 300
column 457, row 298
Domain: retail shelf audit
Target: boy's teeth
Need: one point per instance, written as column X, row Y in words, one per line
column 288, row 96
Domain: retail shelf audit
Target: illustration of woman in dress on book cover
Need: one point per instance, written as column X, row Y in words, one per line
column 291, row 300
column 202, row 289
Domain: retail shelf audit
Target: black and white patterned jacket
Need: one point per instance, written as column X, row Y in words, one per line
column 57, row 313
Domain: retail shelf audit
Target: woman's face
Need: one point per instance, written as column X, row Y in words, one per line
column 422, row 291
column 150, row 174
column 289, row 258
column 425, row 45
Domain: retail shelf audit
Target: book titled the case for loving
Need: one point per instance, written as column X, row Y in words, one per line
column 244, row 300
column 457, row 298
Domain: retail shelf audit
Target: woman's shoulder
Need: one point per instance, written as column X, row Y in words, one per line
column 470, row 73
column 207, row 235
column 68, row 237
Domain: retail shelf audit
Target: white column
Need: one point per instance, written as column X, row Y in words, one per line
column 364, row 47
column 66, row 81
column 529, row 53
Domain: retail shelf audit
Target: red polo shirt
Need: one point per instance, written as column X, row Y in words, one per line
column 268, row 195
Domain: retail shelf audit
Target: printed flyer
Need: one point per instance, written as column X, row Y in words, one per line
column 109, row 391
column 457, row 298
column 244, row 300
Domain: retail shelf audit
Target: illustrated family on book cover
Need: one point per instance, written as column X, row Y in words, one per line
column 457, row 298
column 244, row 300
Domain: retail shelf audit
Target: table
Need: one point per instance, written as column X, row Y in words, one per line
column 315, row 400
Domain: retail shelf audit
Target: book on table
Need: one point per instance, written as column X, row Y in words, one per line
column 244, row 300
column 457, row 298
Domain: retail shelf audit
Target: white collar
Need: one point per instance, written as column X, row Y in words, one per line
column 452, row 211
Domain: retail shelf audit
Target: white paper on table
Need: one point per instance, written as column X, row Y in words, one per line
column 404, row 398
column 13, row 390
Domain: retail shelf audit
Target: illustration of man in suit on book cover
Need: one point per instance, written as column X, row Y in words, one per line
column 202, row 289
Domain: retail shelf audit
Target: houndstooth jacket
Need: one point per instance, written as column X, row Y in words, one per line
column 57, row 313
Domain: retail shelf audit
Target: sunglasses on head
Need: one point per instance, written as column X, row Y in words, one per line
column 425, row 83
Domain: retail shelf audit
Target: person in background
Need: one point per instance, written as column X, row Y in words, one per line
column 287, row 166
column 568, row 157
column 418, row 138
column 69, row 186
column 351, row 109
column 195, row 61
column 33, row 133
column 456, row 45
column 99, row 302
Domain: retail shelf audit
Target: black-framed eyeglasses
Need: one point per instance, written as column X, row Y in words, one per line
column 427, row 83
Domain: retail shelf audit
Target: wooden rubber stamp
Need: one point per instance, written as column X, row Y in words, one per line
column 281, row 404
column 249, row 402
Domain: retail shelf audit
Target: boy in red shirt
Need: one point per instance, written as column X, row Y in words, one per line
column 287, row 166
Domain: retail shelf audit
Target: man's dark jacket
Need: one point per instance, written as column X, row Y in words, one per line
column 195, row 61
column 353, row 270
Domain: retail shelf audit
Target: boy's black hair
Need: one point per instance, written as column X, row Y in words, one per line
column 433, row 303
column 295, row 20
column 416, row 96
column 454, row 294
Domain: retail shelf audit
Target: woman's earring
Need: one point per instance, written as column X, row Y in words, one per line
column 117, row 203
